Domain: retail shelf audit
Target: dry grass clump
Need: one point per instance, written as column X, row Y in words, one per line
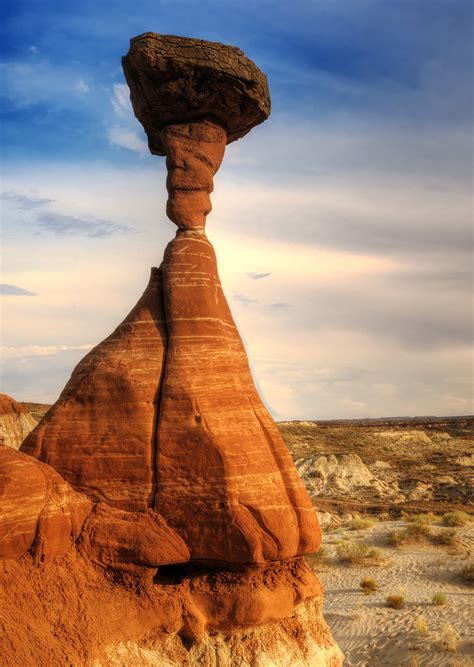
column 424, row 519
column 414, row 532
column 422, row 626
column 396, row 601
column 447, row 639
column 321, row 557
column 368, row 586
column 456, row 519
column 439, row 599
column 446, row 537
column 358, row 553
column 467, row 573
column 361, row 523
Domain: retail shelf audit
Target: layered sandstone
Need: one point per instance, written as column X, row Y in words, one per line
column 40, row 512
column 191, row 503
column 226, row 481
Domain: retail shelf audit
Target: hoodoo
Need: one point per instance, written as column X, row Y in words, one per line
column 160, row 432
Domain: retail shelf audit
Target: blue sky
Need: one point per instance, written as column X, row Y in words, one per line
column 354, row 198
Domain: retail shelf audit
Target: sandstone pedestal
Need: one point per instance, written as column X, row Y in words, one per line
column 191, row 496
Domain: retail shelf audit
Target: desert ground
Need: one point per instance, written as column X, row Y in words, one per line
column 369, row 631
column 369, row 479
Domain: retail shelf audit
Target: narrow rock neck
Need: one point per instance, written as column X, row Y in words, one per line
column 194, row 152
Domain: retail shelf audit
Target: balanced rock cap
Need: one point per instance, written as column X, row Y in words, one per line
column 178, row 79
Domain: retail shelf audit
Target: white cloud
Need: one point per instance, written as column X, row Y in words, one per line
column 121, row 100
column 120, row 136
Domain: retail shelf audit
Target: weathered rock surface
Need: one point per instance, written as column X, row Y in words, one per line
column 77, row 614
column 336, row 473
column 15, row 422
column 39, row 510
column 194, row 152
column 226, row 481
column 177, row 79
column 130, row 541
column 100, row 434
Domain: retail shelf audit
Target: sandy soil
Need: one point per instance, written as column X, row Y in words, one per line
column 372, row 634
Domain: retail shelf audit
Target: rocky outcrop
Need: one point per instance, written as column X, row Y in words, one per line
column 177, row 80
column 193, row 505
column 15, row 422
column 339, row 473
column 40, row 512
column 217, row 445
column 135, row 542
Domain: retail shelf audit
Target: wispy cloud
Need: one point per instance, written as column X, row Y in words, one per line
column 279, row 306
column 24, row 202
column 121, row 100
column 70, row 225
column 129, row 139
column 13, row 290
column 26, row 351
column 36, row 213
column 126, row 133
column 258, row 276
column 243, row 299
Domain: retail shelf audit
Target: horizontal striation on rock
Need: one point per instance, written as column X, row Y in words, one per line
column 100, row 433
column 226, row 481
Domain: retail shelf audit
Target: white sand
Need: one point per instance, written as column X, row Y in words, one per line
column 369, row 632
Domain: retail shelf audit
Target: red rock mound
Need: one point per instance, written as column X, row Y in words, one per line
column 39, row 510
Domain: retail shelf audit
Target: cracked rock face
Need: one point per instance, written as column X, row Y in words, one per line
column 177, row 80
column 164, row 414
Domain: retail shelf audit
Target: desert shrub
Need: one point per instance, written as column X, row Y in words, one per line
column 422, row 626
column 467, row 573
column 414, row 532
column 425, row 519
column 447, row 639
column 439, row 599
column 456, row 519
column 360, row 523
column 369, row 585
column 417, row 532
column 446, row 537
column 358, row 553
column 396, row 537
column 319, row 557
column 395, row 601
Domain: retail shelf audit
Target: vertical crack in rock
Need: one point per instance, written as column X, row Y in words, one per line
column 162, row 429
